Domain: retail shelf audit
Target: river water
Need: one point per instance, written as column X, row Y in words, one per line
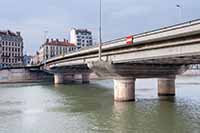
column 46, row 108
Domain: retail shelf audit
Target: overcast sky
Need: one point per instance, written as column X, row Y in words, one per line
column 120, row 17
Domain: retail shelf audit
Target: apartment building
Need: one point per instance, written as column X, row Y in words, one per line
column 11, row 49
column 81, row 38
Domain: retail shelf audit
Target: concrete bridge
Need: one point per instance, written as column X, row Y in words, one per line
column 161, row 54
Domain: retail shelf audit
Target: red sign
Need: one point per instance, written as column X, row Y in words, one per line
column 129, row 40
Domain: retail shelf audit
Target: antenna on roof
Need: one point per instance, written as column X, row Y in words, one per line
column 45, row 35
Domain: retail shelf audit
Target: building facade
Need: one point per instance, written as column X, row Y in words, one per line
column 11, row 51
column 81, row 38
column 52, row 48
column 1, row 65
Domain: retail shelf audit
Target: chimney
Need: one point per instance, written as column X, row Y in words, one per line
column 57, row 40
column 18, row 33
column 47, row 41
column 51, row 39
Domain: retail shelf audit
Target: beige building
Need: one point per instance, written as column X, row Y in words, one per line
column 35, row 59
column 11, row 49
column 52, row 48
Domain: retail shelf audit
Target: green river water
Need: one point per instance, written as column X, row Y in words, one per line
column 77, row 108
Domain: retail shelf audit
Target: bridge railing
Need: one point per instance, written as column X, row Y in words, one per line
column 156, row 31
column 152, row 32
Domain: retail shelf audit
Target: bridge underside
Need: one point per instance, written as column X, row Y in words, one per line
column 71, row 69
column 136, row 70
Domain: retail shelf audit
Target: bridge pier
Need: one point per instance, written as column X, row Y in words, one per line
column 85, row 78
column 61, row 78
column 58, row 78
column 166, row 87
column 124, row 89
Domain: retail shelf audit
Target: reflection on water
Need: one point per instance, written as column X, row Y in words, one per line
column 46, row 108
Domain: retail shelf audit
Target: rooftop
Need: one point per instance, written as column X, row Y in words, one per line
column 82, row 31
column 57, row 42
column 8, row 32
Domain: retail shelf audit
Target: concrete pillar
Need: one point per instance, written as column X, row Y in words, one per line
column 124, row 89
column 166, row 87
column 58, row 78
column 61, row 78
column 85, row 78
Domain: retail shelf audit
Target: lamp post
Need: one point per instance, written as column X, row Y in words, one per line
column 100, row 37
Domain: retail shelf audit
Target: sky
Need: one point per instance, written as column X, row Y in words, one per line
column 38, row 19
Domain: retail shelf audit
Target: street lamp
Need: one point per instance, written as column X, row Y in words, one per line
column 100, row 37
